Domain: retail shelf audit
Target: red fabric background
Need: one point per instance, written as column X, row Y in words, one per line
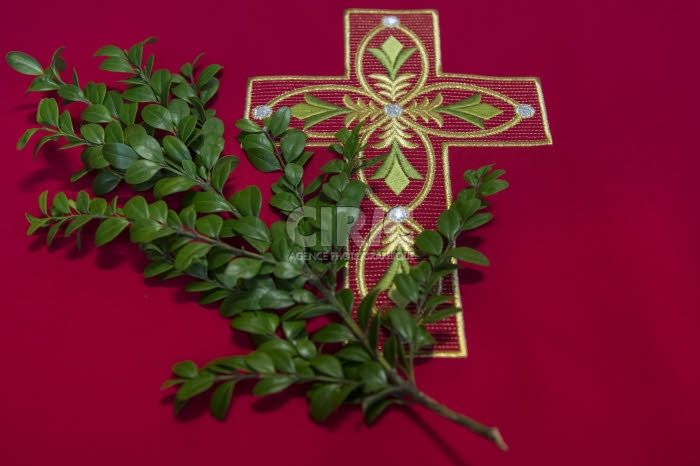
column 582, row 334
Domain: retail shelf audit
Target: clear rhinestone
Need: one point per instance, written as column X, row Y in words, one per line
column 262, row 112
column 398, row 214
column 390, row 21
column 525, row 110
column 393, row 110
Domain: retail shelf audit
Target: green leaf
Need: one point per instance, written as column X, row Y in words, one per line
column 96, row 113
column 93, row 133
column 333, row 333
column 23, row 63
column 42, row 83
column 430, row 242
column 465, row 206
column 209, row 202
column 47, row 113
column 260, row 152
column 294, row 329
column 82, row 202
column 293, row 173
column 346, row 298
column 326, row 398
column 372, row 410
column 136, row 208
column 143, row 144
column 372, row 375
column 491, row 187
column 468, row 255
column 184, row 91
column 248, row 126
column 247, row 201
column 222, row 170
column 328, row 365
column 161, row 87
column 209, row 90
column 272, row 384
column 292, row 144
column 119, row 155
column 127, row 113
column 260, row 362
column 171, row 185
column 41, row 143
column 105, row 181
column 178, row 108
column 255, row 231
column 71, row 92
column 109, row 229
column 140, row 94
column 95, row 93
column 97, row 206
column 42, row 202
column 185, row 369
column 156, row 268
column 279, row 121
column 79, row 174
column 116, row 65
column 210, row 225
column 158, row 117
column 176, row 149
column 259, row 323
column 189, row 253
column 193, row 387
column 308, row 311
column 141, row 171
column 449, row 224
column 476, row 221
column 186, row 127
column 441, row 314
column 407, row 286
column 423, row 338
column 287, row 270
column 286, row 202
column 209, row 153
column 366, row 308
column 355, row 353
column 403, row 323
column 110, row 51
column 282, row 358
column 207, row 74
column 113, row 132
column 21, row 144
column 276, row 299
column 242, row 268
column 60, row 204
column 221, row 400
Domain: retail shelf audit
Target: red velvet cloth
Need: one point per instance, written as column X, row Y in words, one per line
column 582, row 334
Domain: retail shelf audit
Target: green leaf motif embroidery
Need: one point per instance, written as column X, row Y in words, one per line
column 392, row 55
column 396, row 170
column 398, row 265
column 316, row 110
column 471, row 110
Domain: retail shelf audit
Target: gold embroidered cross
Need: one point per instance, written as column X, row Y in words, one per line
column 413, row 112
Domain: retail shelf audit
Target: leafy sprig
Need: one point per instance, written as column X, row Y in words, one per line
column 270, row 281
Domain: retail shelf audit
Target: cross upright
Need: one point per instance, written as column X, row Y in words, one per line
column 413, row 112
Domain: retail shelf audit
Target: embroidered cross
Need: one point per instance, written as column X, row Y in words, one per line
column 412, row 113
